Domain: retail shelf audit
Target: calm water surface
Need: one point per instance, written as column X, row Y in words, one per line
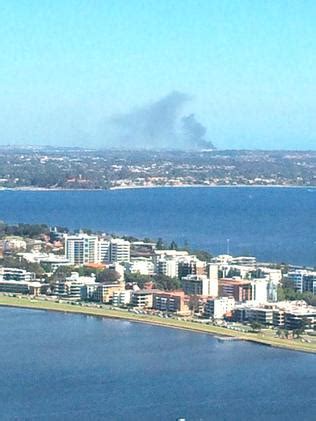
column 57, row 366
column 275, row 224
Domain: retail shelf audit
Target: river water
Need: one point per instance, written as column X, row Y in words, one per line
column 274, row 224
column 57, row 366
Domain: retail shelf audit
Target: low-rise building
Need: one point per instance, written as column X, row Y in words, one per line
column 121, row 298
column 75, row 287
column 142, row 298
column 13, row 243
column 16, row 274
column 104, row 293
column 21, row 287
column 141, row 265
column 170, row 302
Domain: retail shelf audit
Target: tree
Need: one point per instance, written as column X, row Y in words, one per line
column 166, row 283
column 20, row 263
column 194, row 304
column 173, row 245
column 61, row 273
column 86, row 271
column 255, row 326
column 108, row 276
column 203, row 255
column 137, row 278
column 160, row 244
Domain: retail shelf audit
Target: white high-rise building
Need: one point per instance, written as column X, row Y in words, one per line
column 104, row 251
column 212, row 274
column 167, row 267
column 216, row 308
column 120, row 250
column 259, row 290
column 81, row 249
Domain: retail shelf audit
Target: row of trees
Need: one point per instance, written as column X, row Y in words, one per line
column 23, row 230
column 163, row 282
column 286, row 293
column 200, row 254
column 20, row 263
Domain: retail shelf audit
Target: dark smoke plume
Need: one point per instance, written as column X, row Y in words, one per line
column 159, row 125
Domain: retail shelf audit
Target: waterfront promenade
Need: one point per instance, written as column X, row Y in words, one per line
column 265, row 337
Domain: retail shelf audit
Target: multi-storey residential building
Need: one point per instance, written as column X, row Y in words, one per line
column 212, row 274
column 105, row 293
column 296, row 279
column 167, row 266
column 298, row 319
column 190, row 266
column 22, row 287
column 81, row 249
column 227, row 259
column 303, row 280
column 120, row 250
column 309, row 283
column 141, row 265
column 288, row 314
column 75, row 287
column 15, row 274
column 259, row 290
column 104, row 251
column 143, row 298
column 240, row 290
column 217, row 308
column 121, row 298
column 197, row 285
column 170, row 301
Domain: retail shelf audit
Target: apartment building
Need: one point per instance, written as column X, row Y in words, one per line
column 240, row 290
column 120, row 250
column 198, row 285
column 190, row 265
column 303, row 280
column 81, row 249
column 15, row 274
column 143, row 298
column 75, row 287
column 170, row 302
column 217, row 308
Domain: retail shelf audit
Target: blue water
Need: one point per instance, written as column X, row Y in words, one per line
column 56, row 366
column 274, row 224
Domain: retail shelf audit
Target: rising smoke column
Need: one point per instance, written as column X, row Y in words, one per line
column 159, row 125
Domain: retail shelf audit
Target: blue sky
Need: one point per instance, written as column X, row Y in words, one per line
column 248, row 66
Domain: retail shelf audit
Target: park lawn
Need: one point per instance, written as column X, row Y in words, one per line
column 265, row 337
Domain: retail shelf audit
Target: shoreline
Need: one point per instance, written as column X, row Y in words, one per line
column 167, row 186
column 194, row 327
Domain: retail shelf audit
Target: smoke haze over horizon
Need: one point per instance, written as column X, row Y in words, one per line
column 158, row 125
column 72, row 73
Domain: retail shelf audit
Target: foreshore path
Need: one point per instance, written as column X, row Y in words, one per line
column 264, row 338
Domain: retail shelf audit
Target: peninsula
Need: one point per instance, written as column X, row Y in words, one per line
column 148, row 281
